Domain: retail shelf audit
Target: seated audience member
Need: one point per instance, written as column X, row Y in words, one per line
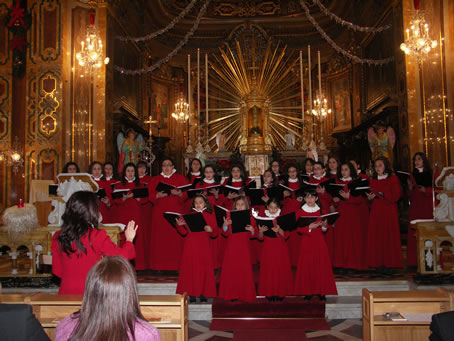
column 80, row 244
column 442, row 327
column 110, row 307
column 17, row 323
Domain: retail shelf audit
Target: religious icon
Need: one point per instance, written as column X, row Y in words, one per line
column 289, row 141
column 381, row 142
column 129, row 148
column 220, row 142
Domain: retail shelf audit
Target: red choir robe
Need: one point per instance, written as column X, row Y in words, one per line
column 166, row 244
column 348, row 233
column 228, row 204
column 421, row 207
column 146, row 209
column 290, row 204
column 217, row 244
column 314, row 273
column 131, row 210
column 237, row 279
column 196, row 268
column 73, row 269
column 106, row 211
column 191, row 180
column 364, row 216
column 276, row 278
column 383, row 245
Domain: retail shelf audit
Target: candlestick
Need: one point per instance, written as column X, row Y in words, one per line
column 189, row 97
column 319, row 82
column 310, row 87
column 198, row 94
column 206, row 95
column 302, row 91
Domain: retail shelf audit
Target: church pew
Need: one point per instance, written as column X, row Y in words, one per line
column 168, row 313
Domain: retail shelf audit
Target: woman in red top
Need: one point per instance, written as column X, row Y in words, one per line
column 237, row 279
column 276, row 168
column 333, row 165
column 215, row 198
column 276, row 278
column 348, row 234
column 166, row 243
column 109, row 174
column 383, row 246
column 195, row 169
column 128, row 208
column 196, row 269
column 80, row 244
column 314, row 273
column 238, row 179
column 421, row 204
column 105, row 205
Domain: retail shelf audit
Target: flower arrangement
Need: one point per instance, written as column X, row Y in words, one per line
column 223, row 166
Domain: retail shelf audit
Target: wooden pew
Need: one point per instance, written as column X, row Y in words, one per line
column 377, row 327
column 168, row 313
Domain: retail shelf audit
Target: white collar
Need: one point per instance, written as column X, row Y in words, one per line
column 97, row 179
column 358, row 171
column 309, row 209
column 168, row 176
column 420, row 169
column 140, row 177
column 333, row 172
column 130, row 181
column 267, row 185
column 310, row 173
column 346, row 179
column 277, row 214
column 382, row 177
column 203, row 209
column 209, row 181
column 293, row 180
column 237, row 180
column 108, row 178
column 195, row 174
column 319, row 177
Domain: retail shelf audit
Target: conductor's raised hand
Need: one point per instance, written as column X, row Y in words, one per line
column 130, row 232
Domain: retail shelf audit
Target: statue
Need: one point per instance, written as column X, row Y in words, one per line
column 256, row 113
column 289, row 141
column 220, row 142
column 381, row 142
column 129, row 148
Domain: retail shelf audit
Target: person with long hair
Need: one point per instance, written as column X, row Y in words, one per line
column 196, row 275
column 105, row 204
column 71, row 167
column 128, row 208
column 166, row 244
column 109, row 173
column 237, row 178
column 419, row 191
column 384, row 251
column 80, row 244
column 195, row 170
column 110, row 307
column 333, row 165
column 275, row 166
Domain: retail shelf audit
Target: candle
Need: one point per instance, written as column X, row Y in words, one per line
column 20, row 204
column 189, row 95
column 198, row 93
column 302, row 90
column 206, row 95
column 310, row 85
column 319, row 82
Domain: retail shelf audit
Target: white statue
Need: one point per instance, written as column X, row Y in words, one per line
column 289, row 141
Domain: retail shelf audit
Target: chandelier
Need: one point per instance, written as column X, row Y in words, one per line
column 91, row 53
column 418, row 43
column 181, row 113
column 320, row 108
column 13, row 157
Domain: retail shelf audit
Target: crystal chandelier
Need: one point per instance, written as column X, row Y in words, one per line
column 181, row 113
column 418, row 43
column 320, row 108
column 91, row 53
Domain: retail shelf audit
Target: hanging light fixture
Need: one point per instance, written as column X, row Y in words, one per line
column 181, row 113
column 91, row 53
column 321, row 108
column 418, row 43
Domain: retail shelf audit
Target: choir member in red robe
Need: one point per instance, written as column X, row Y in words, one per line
column 319, row 176
column 146, row 208
column 166, row 243
column 292, row 204
column 193, row 176
column 215, row 198
column 421, row 203
column 128, row 208
column 237, row 280
column 363, row 211
column 308, row 168
column 384, row 251
column 237, row 178
column 105, row 204
column 276, row 168
column 80, row 244
column 348, row 234
column 314, row 274
column 71, row 168
column 108, row 171
column 196, row 269
column 276, row 278
column 333, row 165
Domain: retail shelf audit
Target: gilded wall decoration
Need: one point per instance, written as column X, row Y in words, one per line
column 4, row 48
column 48, row 164
column 247, row 8
column 48, row 105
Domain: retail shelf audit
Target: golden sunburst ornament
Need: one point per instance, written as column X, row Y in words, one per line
column 255, row 96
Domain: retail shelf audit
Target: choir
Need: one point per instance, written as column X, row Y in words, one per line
column 313, row 220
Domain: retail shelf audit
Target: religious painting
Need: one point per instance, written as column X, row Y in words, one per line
column 160, row 94
column 340, row 100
